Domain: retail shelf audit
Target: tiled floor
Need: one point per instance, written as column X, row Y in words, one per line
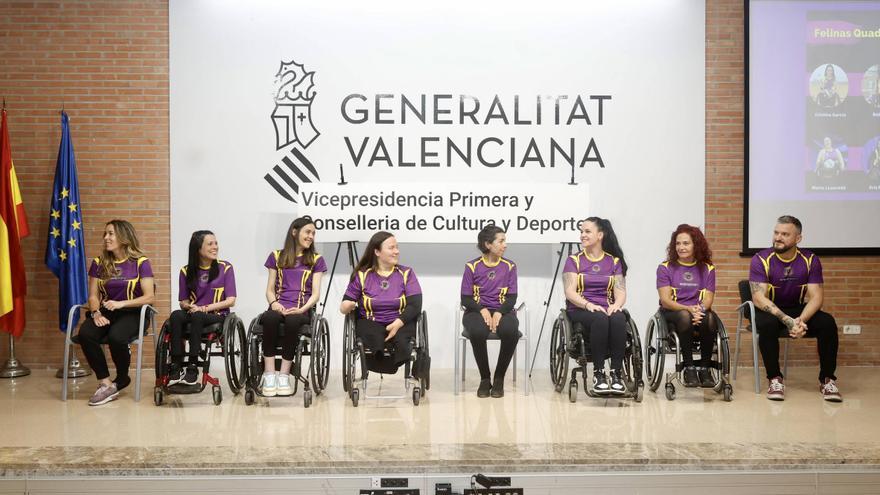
column 541, row 432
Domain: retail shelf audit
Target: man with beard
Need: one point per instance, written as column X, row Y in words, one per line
column 786, row 284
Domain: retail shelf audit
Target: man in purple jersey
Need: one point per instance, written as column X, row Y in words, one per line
column 786, row 284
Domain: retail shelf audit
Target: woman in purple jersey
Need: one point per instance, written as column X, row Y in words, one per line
column 293, row 288
column 388, row 299
column 686, row 284
column 595, row 290
column 488, row 294
column 120, row 282
column 206, row 292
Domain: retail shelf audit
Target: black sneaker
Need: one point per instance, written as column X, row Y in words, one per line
column 175, row 376
column 498, row 389
column 484, row 389
column 600, row 383
column 191, row 376
column 618, row 387
column 706, row 380
column 691, row 379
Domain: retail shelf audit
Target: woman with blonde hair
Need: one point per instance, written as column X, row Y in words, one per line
column 120, row 282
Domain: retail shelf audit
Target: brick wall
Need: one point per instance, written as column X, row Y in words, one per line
column 108, row 63
column 852, row 284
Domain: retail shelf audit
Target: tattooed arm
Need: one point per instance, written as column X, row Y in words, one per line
column 619, row 294
column 759, row 297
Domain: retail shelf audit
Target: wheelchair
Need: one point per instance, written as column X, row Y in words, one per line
column 355, row 368
column 223, row 339
column 569, row 341
column 660, row 341
column 314, row 343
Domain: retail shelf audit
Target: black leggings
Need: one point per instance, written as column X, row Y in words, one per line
column 373, row 333
column 122, row 328
column 197, row 321
column 607, row 336
column 271, row 321
column 681, row 322
column 821, row 326
column 478, row 332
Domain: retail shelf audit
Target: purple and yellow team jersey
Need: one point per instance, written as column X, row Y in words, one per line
column 689, row 281
column 488, row 284
column 787, row 280
column 293, row 286
column 209, row 292
column 126, row 284
column 595, row 278
column 383, row 299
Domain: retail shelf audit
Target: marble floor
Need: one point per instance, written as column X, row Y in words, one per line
column 542, row 432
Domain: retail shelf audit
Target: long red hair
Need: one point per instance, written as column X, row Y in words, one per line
column 702, row 253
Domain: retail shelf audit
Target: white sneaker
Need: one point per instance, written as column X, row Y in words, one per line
column 284, row 389
column 269, row 385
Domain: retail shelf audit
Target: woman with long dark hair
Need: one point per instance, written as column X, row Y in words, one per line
column 388, row 298
column 595, row 291
column 206, row 292
column 293, row 288
column 488, row 294
column 686, row 284
column 120, row 282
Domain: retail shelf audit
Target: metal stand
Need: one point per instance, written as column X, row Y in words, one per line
column 13, row 367
column 75, row 370
column 351, row 246
column 562, row 253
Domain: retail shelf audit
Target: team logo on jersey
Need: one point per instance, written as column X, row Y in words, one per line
column 688, row 276
column 383, row 285
column 786, row 271
column 294, row 129
column 596, row 268
column 204, row 277
column 491, row 275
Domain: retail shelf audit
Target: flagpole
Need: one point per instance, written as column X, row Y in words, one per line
column 76, row 369
column 13, row 368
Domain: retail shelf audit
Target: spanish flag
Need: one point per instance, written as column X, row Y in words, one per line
column 13, row 226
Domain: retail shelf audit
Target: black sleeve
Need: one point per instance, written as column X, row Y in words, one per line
column 412, row 310
column 346, row 297
column 469, row 304
column 509, row 304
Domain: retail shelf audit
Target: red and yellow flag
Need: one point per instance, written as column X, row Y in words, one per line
column 13, row 226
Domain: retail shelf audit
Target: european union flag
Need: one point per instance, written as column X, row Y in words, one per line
column 65, row 249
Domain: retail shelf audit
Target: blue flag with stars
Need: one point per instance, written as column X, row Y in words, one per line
column 65, row 249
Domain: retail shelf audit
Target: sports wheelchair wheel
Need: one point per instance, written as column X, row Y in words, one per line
column 722, row 375
column 163, row 355
column 251, row 364
column 655, row 351
column 633, row 366
column 558, row 354
column 319, row 365
column 354, row 367
column 347, row 349
column 423, row 360
column 234, row 351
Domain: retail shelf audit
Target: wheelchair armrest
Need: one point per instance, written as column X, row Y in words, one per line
column 71, row 332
